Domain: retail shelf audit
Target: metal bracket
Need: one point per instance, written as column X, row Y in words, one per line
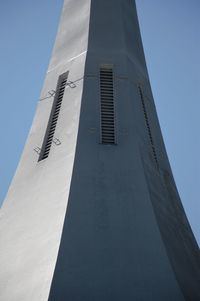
column 71, row 84
column 51, row 93
column 37, row 150
column 56, row 141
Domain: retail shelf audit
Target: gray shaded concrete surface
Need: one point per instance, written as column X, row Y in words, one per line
column 33, row 213
column 93, row 221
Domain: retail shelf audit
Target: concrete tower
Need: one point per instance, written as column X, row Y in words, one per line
column 93, row 212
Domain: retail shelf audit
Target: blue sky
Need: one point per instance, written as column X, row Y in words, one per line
column 171, row 38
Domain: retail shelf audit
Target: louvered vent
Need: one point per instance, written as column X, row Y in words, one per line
column 107, row 106
column 53, row 117
column 148, row 125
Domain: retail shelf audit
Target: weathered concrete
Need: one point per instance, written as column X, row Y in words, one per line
column 33, row 212
column 125, row 235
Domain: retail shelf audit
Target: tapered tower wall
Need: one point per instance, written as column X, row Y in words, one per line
column 127, row 203
column 97, row 220
column 33, row 213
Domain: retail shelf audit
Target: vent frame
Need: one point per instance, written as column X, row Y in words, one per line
column 54, row 115
column 148, row 127
column 107, row 105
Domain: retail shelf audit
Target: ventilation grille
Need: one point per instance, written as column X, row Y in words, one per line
column 53, row 119
column 107, row 106
column 148, row 126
